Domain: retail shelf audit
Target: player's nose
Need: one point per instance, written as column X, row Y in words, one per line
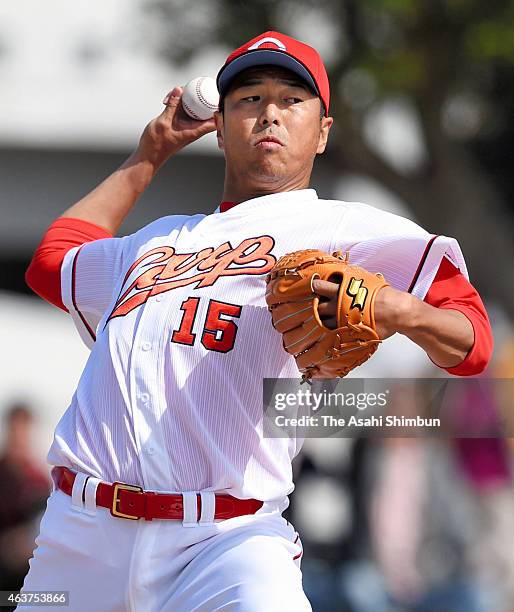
column 270, row 115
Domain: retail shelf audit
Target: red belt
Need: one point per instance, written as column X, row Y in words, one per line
column 131, row 502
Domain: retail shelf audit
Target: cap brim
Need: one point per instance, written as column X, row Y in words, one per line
column 263, row 57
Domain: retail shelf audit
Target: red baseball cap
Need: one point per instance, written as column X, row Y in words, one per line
column 276, row 49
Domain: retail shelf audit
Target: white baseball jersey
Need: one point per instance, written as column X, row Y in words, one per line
column 181, row 338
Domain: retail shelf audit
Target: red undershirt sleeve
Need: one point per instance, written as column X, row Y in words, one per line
column 43, row 275
column 450, row 289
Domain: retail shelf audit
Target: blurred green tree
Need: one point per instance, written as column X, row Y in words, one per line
column 441, row 62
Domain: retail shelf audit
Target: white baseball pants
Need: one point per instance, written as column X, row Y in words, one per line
column 245, row 564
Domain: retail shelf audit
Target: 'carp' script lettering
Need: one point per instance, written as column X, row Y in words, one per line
column 162, row 269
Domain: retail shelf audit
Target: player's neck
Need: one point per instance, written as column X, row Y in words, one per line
column 234, row 192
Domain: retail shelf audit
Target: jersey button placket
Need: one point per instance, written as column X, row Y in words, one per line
column 148, row 397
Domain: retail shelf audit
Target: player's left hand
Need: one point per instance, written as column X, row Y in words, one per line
column 390, row 306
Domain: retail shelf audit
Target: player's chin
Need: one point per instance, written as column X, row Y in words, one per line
column 269, row 163
column 271, row 160
column 263, row 176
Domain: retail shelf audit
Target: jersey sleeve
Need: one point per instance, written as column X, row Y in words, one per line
column 43, row 275
column 430, row 267
column 89, row 275
column 405, row 253
column 450, row 289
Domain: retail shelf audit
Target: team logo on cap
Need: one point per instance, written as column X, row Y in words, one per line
column 268, row 39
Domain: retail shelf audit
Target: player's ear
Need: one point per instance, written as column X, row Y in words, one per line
column 326, row 124
column 218, row 119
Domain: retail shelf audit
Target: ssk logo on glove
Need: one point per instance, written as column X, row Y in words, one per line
column 358, row 293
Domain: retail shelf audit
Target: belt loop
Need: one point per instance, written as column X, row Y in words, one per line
column 208, row 507
column 90, row 495
column 77, row 492
column 148, row 506
column 190, row 509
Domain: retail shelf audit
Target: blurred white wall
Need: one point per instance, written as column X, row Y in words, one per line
column 80, row 72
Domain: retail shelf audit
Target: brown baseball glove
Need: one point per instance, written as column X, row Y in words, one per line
column 321, row 352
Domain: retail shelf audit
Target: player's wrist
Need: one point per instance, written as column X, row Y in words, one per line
column 156, row 144
column 409, row 314
column 154, row 156
column 140, row 169
column 394, row 312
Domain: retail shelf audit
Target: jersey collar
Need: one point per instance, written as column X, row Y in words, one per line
column 224, row 206
column 274, row 198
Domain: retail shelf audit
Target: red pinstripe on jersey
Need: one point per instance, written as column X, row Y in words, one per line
column 421, row 264
column 73, row 294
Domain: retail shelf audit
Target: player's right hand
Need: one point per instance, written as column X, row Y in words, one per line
column 172, row 130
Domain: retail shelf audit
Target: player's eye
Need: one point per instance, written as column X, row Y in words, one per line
column 293, row 100
column 250, row 98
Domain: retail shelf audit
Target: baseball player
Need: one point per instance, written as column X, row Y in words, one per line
column 167, row 496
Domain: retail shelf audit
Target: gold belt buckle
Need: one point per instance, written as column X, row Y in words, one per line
column 119, row 486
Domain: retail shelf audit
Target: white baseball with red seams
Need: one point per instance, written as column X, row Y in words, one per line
column 200, row 98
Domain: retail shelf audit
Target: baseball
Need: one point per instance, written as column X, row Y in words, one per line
column 200, row 98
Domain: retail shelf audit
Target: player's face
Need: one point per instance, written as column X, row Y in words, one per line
column 271, row 131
